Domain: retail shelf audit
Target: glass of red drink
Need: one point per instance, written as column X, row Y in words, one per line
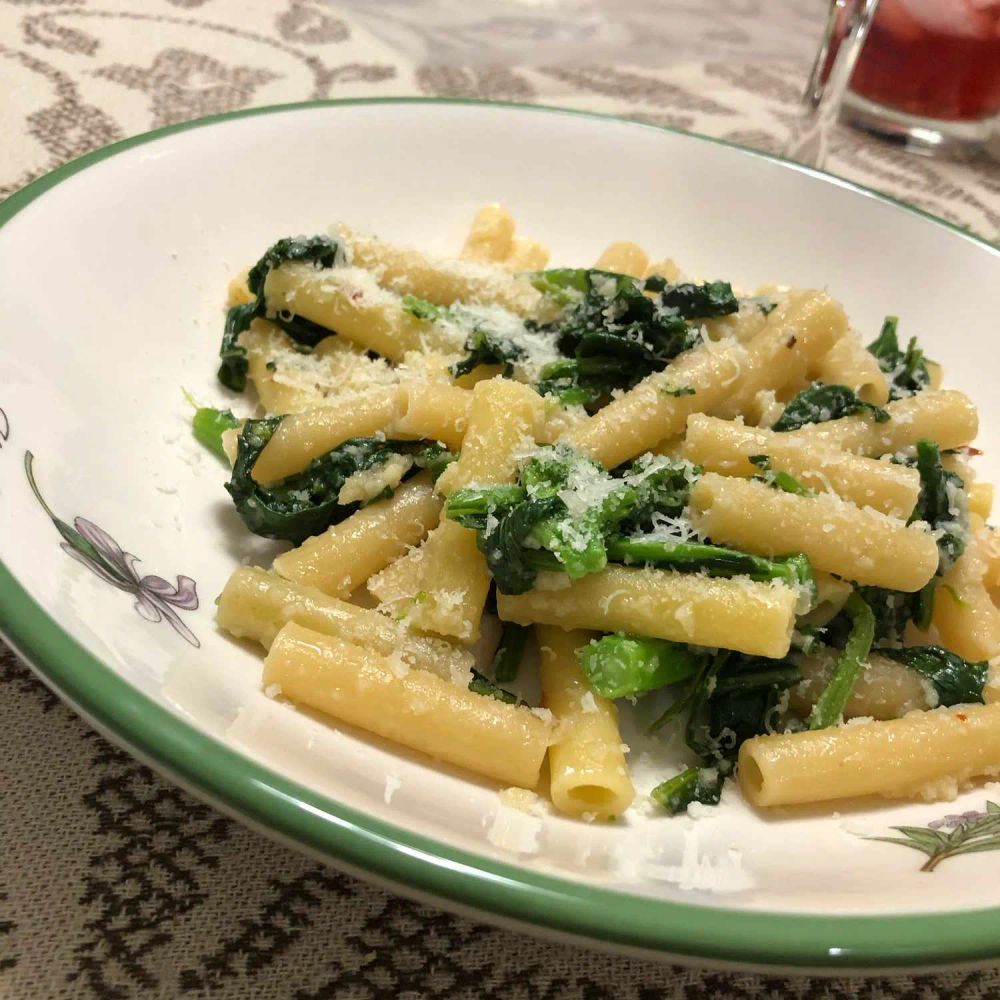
column 929, row 73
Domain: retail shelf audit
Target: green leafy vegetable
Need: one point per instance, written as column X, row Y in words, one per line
column 957, row 681
column 778, row 479
column 612, row 334
column 829, row 707
column 306, row 503
column 484, row 347
column 435, row 458
column 941, row 503
column 510, row 652
column 907, row 370
column 619, row 666
column 795, row 570
column 481, row 684
column 738, row 699
column 209, row 424
column 322, row 252
column 677, row 391
column 714, row 298
column 820, row 403
column 563, row 511
column 695, row 784
column 423, row 309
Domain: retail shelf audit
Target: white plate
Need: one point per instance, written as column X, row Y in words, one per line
column 114, row 270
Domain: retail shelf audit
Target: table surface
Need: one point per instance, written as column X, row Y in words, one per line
column 115, row 884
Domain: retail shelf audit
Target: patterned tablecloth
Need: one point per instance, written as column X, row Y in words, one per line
column 112, row 882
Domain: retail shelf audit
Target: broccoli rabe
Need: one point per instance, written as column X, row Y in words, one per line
column 307, row 502
column 566, row 513
column 820, row 403
column 943, row 505
column 829, row 707
column 619, row 666
column 322, row 252
column 694, row 784
column 956, row 681
column 614, row 330
column 729, row 699
column 510, row 652
column 907, row 370
column 209, row 424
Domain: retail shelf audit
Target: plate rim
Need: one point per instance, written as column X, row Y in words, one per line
column 342, row 833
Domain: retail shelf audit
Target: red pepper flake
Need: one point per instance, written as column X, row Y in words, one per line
column 357, row 295
column 961, row 716
column 792, row 341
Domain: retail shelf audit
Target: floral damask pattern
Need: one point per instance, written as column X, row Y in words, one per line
column 115, row 884
column 183, row 84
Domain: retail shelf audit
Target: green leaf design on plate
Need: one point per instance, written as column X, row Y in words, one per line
column 950, row 836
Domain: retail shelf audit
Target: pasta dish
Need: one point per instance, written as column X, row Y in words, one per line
column 518, row 496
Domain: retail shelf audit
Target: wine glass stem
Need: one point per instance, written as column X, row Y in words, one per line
column 846, row 29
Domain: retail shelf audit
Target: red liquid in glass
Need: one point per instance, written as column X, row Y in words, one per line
column 933, row 59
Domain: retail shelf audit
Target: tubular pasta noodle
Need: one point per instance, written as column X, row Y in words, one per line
column 964, row 615
column 441, row 586
column 412, row 707
column 737, row 613
column 256, row 605
column 349, row 300
column 926, row 755
column 849, row 363
column 491, row 237
column 794, row 335
column 623, row 257
column 726, row 446
column 885, row 690
column 436, row 411
column 443, row 282
column 945, row 416
column 301, row 437
column 587, row 772
column 860, row 545
column 347, row 554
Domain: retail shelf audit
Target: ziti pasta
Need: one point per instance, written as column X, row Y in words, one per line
column 727, row 502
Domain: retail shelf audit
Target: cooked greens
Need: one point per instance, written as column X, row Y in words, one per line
column 481, row 684
column 730, row 699
column 620, row 666
column 510, row 652
column 906, row 370
column 822, row 402
column 305, row 503
column 956, row 681
column 779, row 479
column 209, row 424
column 566, row 513
column 612, row 334
column 694, row 784
column 322, row 252
column 942, row 504
column 829, row 707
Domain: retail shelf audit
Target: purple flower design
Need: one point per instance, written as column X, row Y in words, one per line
column 87, row 543
column 956, row 820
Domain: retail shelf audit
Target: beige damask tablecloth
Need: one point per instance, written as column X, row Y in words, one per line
column 112, row 882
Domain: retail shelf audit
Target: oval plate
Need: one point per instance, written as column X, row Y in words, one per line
column 114, row 274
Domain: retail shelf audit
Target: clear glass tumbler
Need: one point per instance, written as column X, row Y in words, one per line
column 928, row 74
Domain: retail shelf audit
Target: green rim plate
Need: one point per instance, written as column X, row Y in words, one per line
column 324, row 827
